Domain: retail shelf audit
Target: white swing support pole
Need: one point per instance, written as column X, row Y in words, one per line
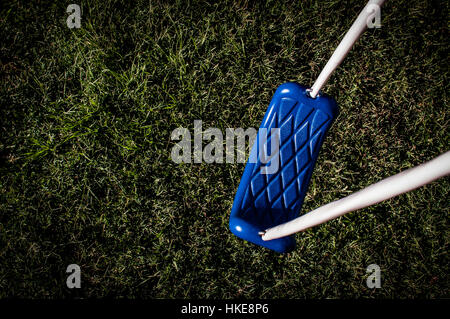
column 352, row 35
column 387, row 188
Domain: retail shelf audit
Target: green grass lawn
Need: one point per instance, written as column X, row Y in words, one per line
column 86, row 175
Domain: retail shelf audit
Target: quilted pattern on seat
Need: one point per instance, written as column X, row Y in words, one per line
column 266, row 200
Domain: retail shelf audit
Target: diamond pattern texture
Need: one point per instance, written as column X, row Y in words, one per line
column 278, row 193
column 271, row 199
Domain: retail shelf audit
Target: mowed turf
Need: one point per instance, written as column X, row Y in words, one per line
column 85, row 170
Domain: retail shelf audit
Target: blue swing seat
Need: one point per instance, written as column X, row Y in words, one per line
column 266, row 200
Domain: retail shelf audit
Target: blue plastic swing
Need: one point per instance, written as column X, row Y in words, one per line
column 266, row 200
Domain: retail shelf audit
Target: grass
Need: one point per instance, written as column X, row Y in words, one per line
column 86, row 176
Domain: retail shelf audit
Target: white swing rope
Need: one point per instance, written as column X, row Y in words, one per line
column 352, row 35
column 387, row 188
